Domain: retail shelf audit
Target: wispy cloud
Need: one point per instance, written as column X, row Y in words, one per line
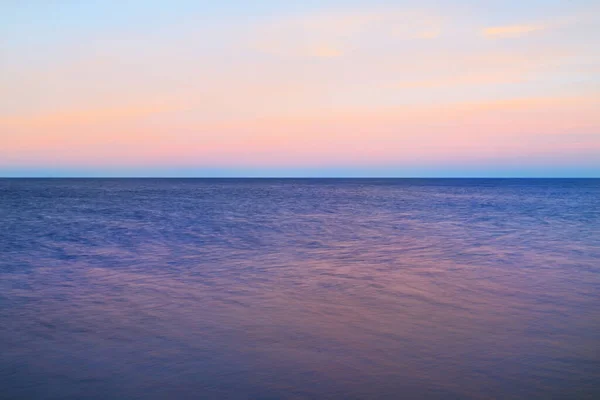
column 491, row 68
column 429, row 34
column 87, row 116
column 304, row 35
column 326, row 51
column 511, row 31
column 310, row 50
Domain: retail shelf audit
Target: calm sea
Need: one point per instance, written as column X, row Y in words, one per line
column 299, row 289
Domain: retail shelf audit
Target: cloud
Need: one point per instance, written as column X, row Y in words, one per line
column 303, row 36
column 490, row 78
column 428, row 34
column 510, row 31
column 87, row 116
column 449, row 71
column 326, row 51
column 301, row 50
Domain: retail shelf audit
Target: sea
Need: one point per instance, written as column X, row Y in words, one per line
column 299, row 289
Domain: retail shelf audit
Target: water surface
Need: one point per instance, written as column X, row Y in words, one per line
column 269, row 289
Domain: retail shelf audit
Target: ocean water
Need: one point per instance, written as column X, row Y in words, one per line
column 299, row 289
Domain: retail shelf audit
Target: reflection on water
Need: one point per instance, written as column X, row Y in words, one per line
column 269, row 289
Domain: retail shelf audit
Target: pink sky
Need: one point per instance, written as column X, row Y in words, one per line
column 363, row 86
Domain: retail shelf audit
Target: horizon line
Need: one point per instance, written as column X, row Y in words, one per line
column 299, row 177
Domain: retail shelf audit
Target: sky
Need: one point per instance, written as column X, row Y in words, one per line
column 313, row 88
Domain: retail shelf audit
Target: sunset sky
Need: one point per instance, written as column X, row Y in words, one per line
column 307, row 88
